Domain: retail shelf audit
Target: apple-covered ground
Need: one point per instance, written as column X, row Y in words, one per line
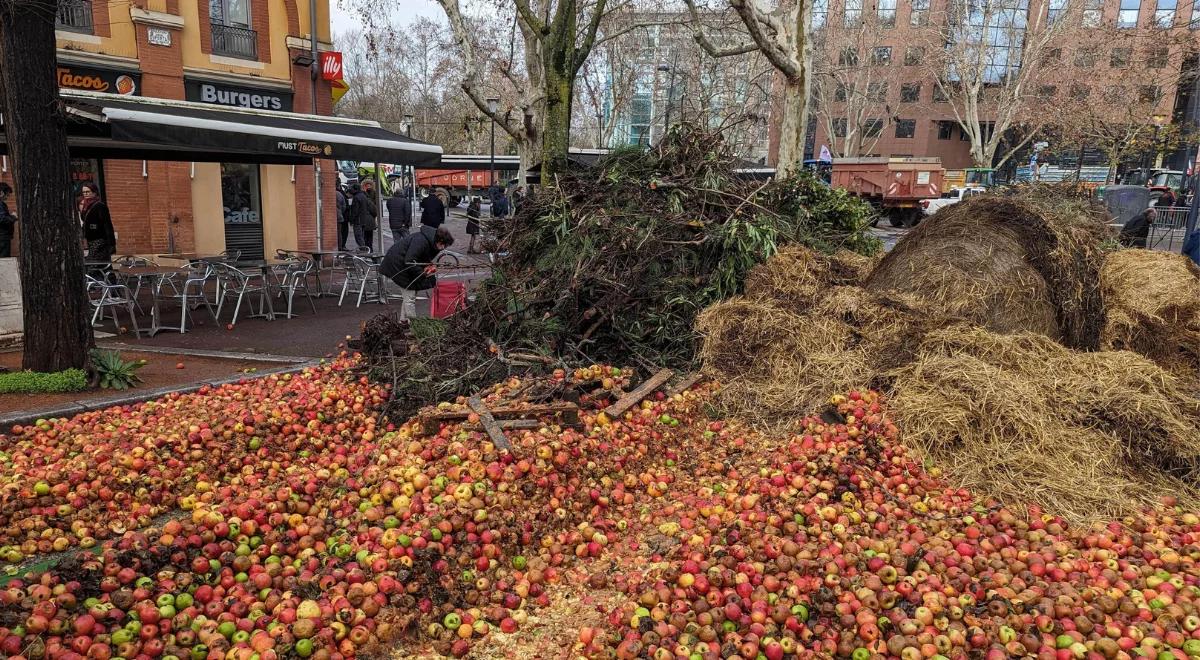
column 277, row 518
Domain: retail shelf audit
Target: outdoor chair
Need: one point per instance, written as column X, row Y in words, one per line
column 191, row 290
column 105, row 297
column 293, row 276
column 360, row 273
column 133, row 261
column 235, row 283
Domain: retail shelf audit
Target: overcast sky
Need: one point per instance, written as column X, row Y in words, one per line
column 405, row 11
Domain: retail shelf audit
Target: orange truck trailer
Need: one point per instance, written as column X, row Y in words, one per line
column 894, row 186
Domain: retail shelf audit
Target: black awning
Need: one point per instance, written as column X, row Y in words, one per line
column 114, row 126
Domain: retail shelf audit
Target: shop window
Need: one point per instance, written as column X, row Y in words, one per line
column 872, row 128
column 1128, row 16
column 945, row 130
column 1164, row 13
column 1119, row 58
column 920, row 13
column 242, row 202
column 910, row 92
column 231, row 33
column 885, row 10
column 906, row 128
column 84, row 170
column 881, row 56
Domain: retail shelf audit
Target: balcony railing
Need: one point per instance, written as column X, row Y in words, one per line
column 235, row 42
column 74, row 16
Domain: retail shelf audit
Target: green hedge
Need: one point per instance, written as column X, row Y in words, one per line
column 31, row 382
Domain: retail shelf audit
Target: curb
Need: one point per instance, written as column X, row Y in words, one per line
column 24, row 417
column 202, row 352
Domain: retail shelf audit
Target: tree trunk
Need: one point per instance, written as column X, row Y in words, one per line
column 793, row 127
column 57, row 332
column 556, row 133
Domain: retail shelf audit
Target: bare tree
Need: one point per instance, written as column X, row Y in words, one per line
column 985, row 58
column 782, row 37
column 850, row 85
column 57, row 332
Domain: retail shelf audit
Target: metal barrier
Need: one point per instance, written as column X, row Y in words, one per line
column 234, row 41
column 1167, row 232
column 74, row 16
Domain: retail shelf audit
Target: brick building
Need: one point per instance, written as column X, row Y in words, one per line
column 249, row 55
column 891, row 40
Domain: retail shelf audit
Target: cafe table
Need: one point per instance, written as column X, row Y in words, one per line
column 154, row 277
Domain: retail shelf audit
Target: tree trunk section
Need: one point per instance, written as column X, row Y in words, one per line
column 792, row 129
column 57, row 332
column 556, row 133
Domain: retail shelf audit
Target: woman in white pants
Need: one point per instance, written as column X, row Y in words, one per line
column 409, row 263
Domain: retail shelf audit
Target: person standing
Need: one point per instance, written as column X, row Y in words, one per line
column 343, row 211
column 409, row 263
column 8, row 222
column 433, row 211
column 473, row 223
column 399, row 214
column 365, row 212
column 97, row 224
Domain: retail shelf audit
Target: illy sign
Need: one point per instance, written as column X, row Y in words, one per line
column 331, row 65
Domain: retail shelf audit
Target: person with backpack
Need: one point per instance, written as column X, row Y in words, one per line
column 409, row 263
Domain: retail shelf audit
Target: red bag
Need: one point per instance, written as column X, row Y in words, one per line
column 447, row 298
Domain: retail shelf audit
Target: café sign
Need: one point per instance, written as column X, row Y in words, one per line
column 91, row 79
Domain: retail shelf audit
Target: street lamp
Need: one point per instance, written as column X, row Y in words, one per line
column 670, row 70
column 493, row 104
column 406, row 124
column 1159, row 122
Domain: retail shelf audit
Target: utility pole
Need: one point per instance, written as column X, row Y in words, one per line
column 312, row 38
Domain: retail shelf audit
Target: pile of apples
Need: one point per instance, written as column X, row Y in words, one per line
column 334, row 537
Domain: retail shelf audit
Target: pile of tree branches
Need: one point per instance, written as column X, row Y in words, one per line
column 611, row 264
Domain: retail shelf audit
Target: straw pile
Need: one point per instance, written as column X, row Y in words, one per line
column 1008, row 265
column 991, row 384
column 1152, row 303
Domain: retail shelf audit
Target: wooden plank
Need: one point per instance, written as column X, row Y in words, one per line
column 508, row 425
column 640, row 392
column 685, row 384
column 489, row 423
column 431, row 422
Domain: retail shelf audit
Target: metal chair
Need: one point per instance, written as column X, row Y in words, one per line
column 293, row 276
column 359, row 273
column 235, row 283
column 105, row 296
column 191, row 290
column 134, row 261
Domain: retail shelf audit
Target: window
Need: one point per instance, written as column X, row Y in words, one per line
column 962, row 135
column 914, row 56
column 1080, row 92
column 939, row 94
column 872, row 128
column 1195, row 22
column 231, row 33
column 1128, row 16
column 1164, row 13
column 877, row 91
column 640, row 114
column 885, row 10
column 852, row 13
column 997, row 28
column 820, row 10
column 1085, row 58
column 1046, row 92
column 1113, row 94
column 839, row 127
column 1149, row 94
column 1093, row 13
column 74, row 16
column 1157, row 58
column 848, row 57
column 243, row 209
column 881, row 56
column 910, row 93
column 920, row 13
column 1052, row 56
column 945, row 130
column 1119, row 58
column 1058, row 9
column 841, row 92
column 906, row 128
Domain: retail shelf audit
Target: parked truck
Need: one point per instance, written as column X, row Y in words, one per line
column 894, row 186
column 459, row 182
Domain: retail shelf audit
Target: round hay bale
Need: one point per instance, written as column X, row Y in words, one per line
column 1152, row 307
column 1007, row 264
column 796, row 276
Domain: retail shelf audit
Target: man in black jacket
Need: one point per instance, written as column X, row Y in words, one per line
column 399, row 214
column 343, row 210
column 1135, row 232
column 409, row 263
column 365, row 211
